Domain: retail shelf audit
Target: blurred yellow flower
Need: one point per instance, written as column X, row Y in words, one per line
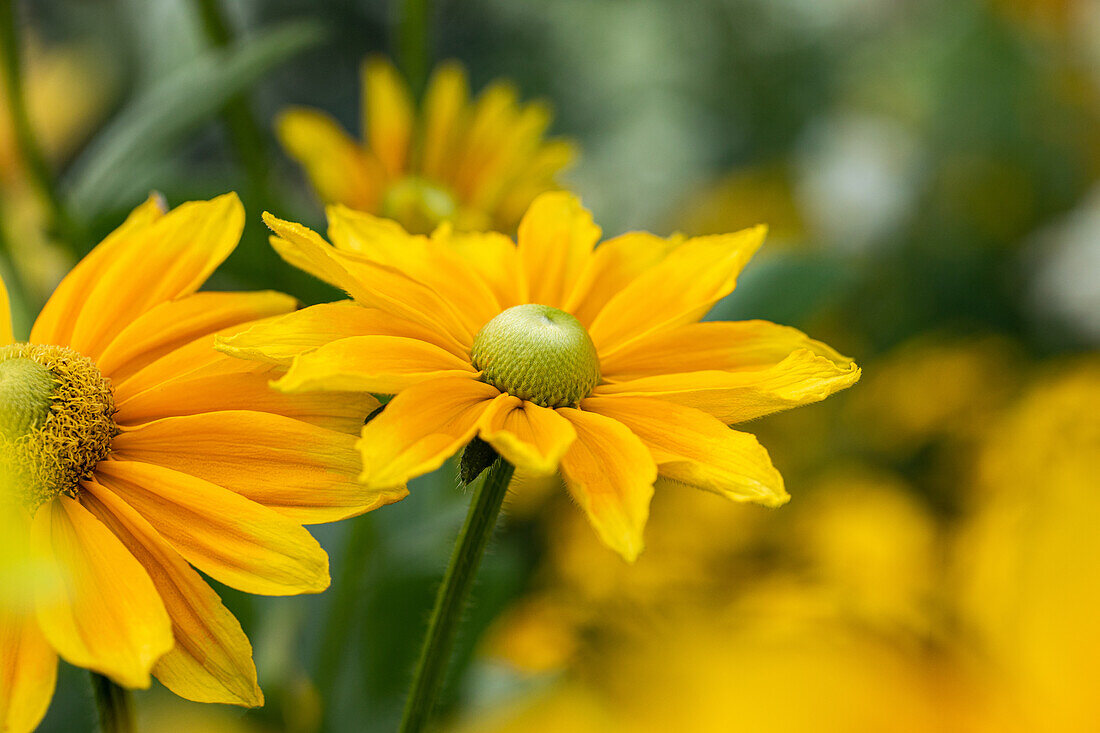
column 477, row 164
column 1029, row 578
column 554, row 352
column 134, row 451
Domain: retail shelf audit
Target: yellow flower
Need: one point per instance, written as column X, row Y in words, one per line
column 132, row 451
column 478, row 163
column 554, row 352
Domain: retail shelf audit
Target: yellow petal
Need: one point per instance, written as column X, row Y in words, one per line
column 230, row 538
column 378, row 364
column 697, row 449
column 109, row 617
column 196, row 359
column 421, row 428
column 341, row 411
column 732, row 397
column 6, row 334
column 169, row 326
column 615, row 264
column 178, row 252
column 212, row 658
column 28, row 672
column 444, row 104
column 530, row 437
column 339, row 169
column 301, row 471
column 55, row 323
column 427, row 261
column 610, row 473
column 387, row 114
column 556, row 238
column 712, row 345
column 369, row 283
column 513, row 148
column 678, row 290
column 495, row 259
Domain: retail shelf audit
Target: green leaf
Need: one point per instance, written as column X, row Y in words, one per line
column 161, row 116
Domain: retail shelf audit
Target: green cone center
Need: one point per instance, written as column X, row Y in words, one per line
column 418, row 204
column 56, row 422
column 537, row 353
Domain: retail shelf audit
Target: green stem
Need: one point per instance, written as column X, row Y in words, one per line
column 116, row 708
column 451, row 599
column 38, row 170
column 412, row 41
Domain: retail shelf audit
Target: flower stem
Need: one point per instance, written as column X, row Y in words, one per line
column 451, row 599
column 116, row 708
column 38, row 171
column 412, row 41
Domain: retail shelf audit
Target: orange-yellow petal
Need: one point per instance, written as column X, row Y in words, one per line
column 680, row 289
column 339, row 169
column 28, row 672
column 555, row 240
column 425, row 260
column 369, row 283
column 55, row 323
column 530, row 437
column 303, row 472
column 230, row 538
column 170, row 325
column 610, row 473
column 191, row 361
column 176, row 253
column 421, row 428
column 732, row 397
column 108, row 616
column 697, row 449
column 387, row 114
column 378, row 364
column 341, row 411
column 279, row 340
column 615, row 264
column 212, row 658
column 495, row 259
column 445, row 103
column 712, row 346
column 6, row 335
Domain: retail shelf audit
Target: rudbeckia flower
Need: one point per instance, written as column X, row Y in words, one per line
column 133, row 453
column 477, row 163
column 557, row 353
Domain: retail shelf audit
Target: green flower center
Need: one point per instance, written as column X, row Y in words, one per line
column 56, row 422
column 418, row 204
column 537, row 353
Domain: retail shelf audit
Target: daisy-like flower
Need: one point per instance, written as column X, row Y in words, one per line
column 477, row 163
column 132, row 453
column 557, row 353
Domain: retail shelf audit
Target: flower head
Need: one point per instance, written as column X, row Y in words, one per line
column 557, row 353
column 132, row 453
column 475, row 163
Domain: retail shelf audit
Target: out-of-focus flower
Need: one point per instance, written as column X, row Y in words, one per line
column 477, row 164
column 1029, row 580
column 745, row 197
column 554, row 352
column 67, row 90
column 135, row 451
column 935, row 386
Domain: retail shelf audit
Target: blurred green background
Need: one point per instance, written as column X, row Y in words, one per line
column 929, row 172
